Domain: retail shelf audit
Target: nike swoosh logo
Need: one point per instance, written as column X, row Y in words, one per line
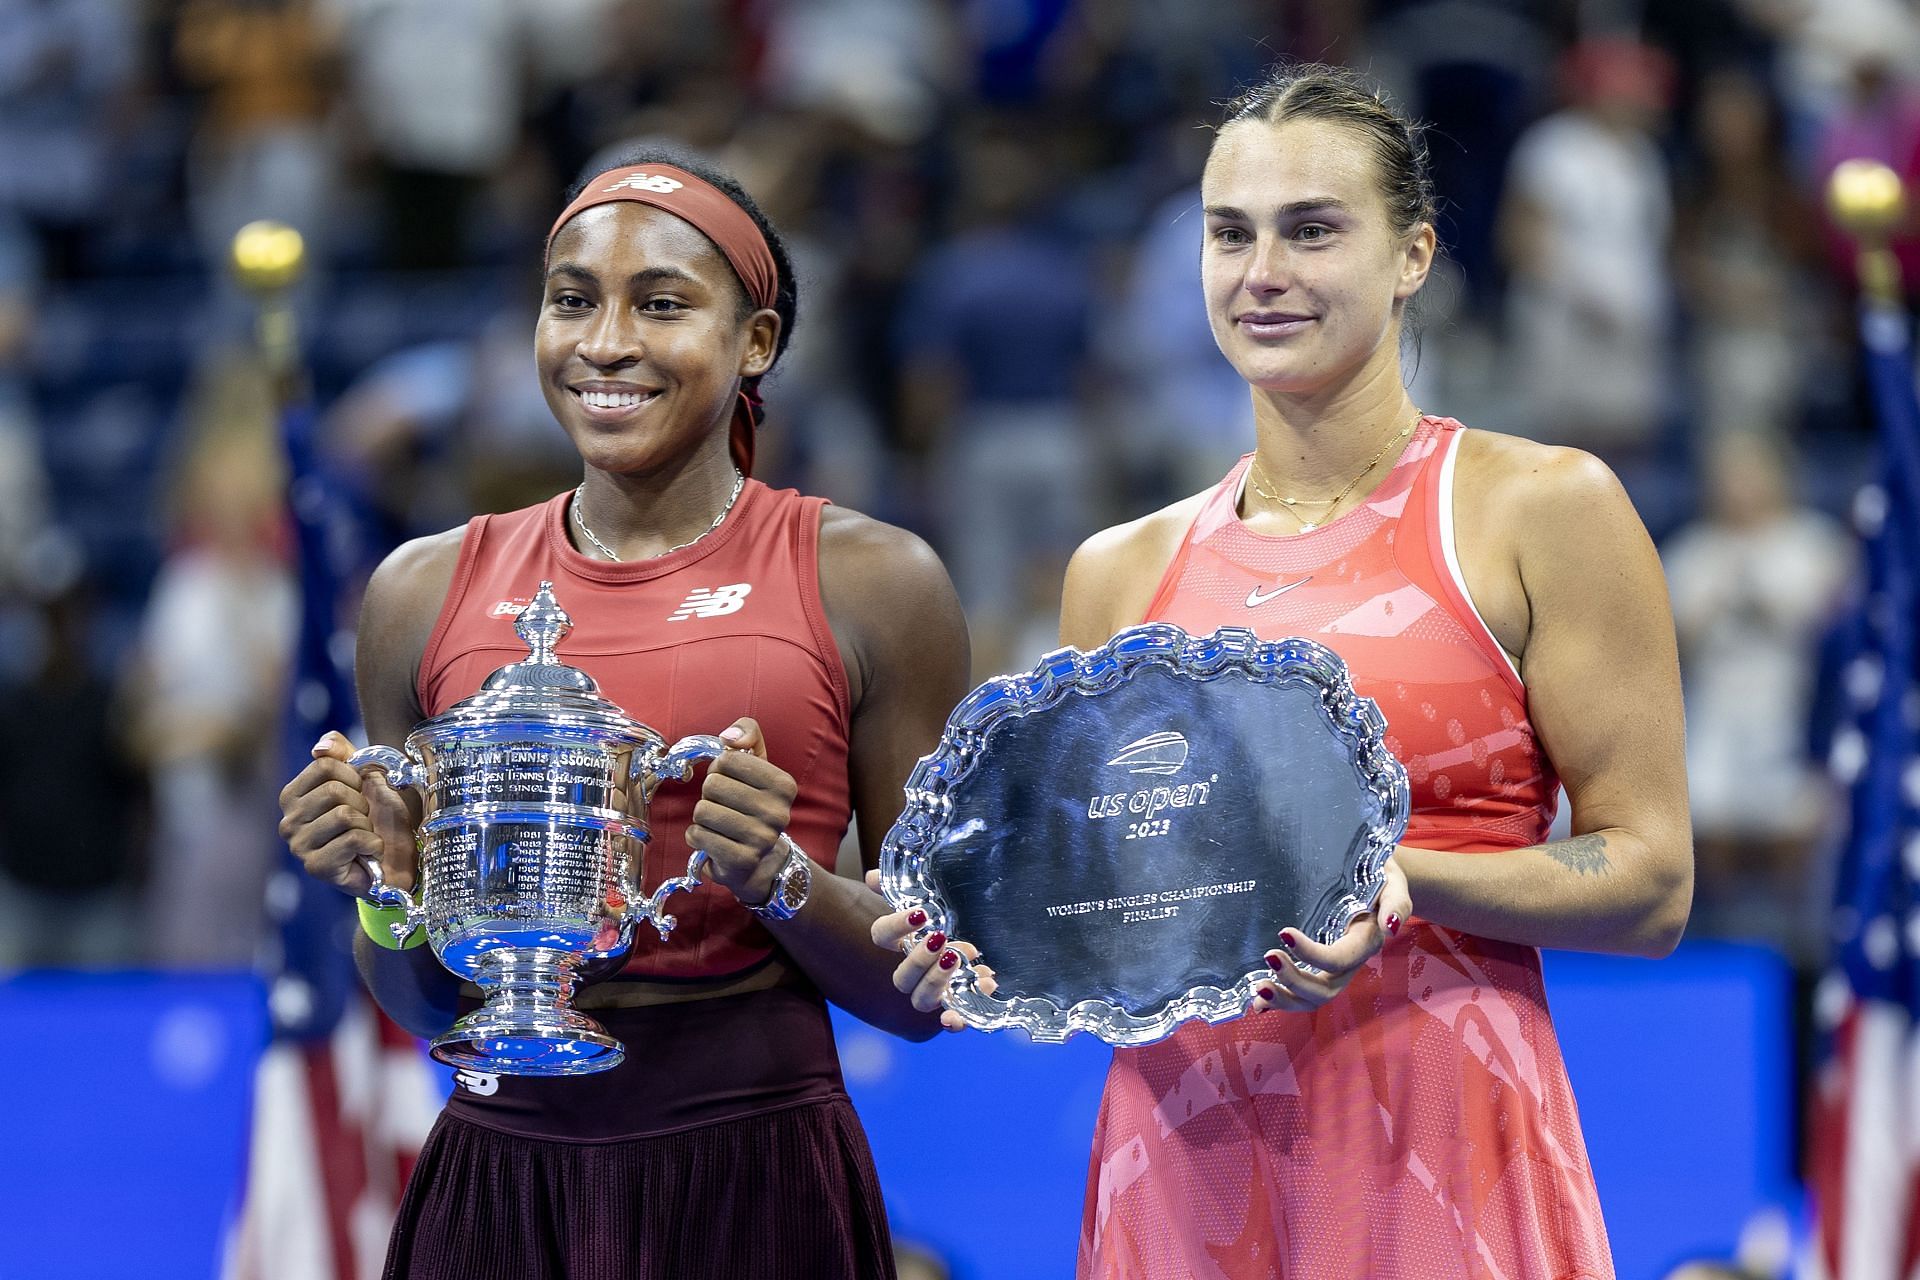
column 1255, row 599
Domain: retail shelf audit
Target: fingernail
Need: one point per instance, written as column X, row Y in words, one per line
column 1269, row 993
column 1287, row 939
column 916, row 917
column 949, row 959
column 733, row 734
column 1393, row 924
column 1274, row 963
column 322, row 744
column 936, row 940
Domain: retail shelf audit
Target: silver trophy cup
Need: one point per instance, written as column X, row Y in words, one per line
column 536, row 794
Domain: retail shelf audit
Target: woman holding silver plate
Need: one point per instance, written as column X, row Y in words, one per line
column 1398, row 1109
column 724, row 1143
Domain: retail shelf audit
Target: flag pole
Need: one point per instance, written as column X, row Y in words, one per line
column 1867, row 199
column 268, row 259
column 1859, row 1126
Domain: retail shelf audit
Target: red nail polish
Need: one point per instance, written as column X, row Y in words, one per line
column 916, row 917
column 1269, row 994
column 949, row 959
column 1287, row 939
column 1274, row 963
column 1393, row 924
column 936, row 940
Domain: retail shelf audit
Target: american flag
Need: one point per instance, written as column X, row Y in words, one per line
column 1864, row 1132
column 342, row 1098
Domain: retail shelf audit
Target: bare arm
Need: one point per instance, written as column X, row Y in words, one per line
column 1603, row 688
column 904, row 642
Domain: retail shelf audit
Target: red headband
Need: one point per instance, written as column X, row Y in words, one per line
column 713, row 213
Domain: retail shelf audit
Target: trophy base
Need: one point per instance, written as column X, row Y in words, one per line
column 527, row 1026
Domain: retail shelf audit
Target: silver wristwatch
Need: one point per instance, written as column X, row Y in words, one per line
column 791, row 885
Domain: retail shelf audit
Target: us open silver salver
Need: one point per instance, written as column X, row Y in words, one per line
column 536, row 794
column 1122, row 832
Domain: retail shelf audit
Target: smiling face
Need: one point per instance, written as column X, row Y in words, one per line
column 644, row 335
column 1303, row 273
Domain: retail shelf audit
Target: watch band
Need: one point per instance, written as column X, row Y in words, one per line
column 792, row 884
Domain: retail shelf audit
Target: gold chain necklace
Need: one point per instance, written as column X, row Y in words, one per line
column 1326, row 507
column 739, row 483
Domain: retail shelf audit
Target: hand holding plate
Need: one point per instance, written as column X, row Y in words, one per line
column 1307, row 974
column 930, row 966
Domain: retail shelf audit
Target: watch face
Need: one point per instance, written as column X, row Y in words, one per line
column 794, row 883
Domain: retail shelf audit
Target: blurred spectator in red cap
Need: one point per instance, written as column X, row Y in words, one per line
column 1615, row 75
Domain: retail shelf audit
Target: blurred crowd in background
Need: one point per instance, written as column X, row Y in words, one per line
column 1001, row 345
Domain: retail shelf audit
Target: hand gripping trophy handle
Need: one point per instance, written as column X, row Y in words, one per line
column 676, row 763
column 402, row 771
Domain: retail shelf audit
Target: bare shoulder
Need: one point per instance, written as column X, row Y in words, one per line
column 1112, row 577
column 1548, row 536
column 412, row 580
column 1514, row 478
column 1533, row 522
column 397, row 615
column 887, row 596
column 853, row 540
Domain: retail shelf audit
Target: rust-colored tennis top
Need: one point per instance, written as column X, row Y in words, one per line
column 686, row 643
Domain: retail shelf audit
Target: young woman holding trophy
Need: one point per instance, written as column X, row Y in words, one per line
column 1398, row 1107
column 833, row 647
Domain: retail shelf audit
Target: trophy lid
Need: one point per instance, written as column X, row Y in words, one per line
column 539, row 689
column 542, row 625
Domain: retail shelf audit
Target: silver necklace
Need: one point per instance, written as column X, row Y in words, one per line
column 739, row 483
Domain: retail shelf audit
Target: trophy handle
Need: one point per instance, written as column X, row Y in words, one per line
column 677, row 763
column 402, row 771
column 382, row 894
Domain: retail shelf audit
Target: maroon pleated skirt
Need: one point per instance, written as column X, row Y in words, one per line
column 723, row 1147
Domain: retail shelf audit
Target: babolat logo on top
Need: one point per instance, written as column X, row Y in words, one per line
column 1161, row 752
column 658, row 183
column 712, row 602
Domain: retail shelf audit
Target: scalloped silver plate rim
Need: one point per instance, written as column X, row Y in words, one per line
column 1355, row 719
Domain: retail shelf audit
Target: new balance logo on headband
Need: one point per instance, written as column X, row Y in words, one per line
column 658, row 183
column 712, row 602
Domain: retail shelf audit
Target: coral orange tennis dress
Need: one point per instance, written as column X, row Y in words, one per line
column 1419, row 1126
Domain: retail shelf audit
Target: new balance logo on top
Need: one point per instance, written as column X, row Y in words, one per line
column 705, row 602
column 656, row 182
column 484, row 1083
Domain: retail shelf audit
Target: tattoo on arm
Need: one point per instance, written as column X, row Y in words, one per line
column 1582, row 854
